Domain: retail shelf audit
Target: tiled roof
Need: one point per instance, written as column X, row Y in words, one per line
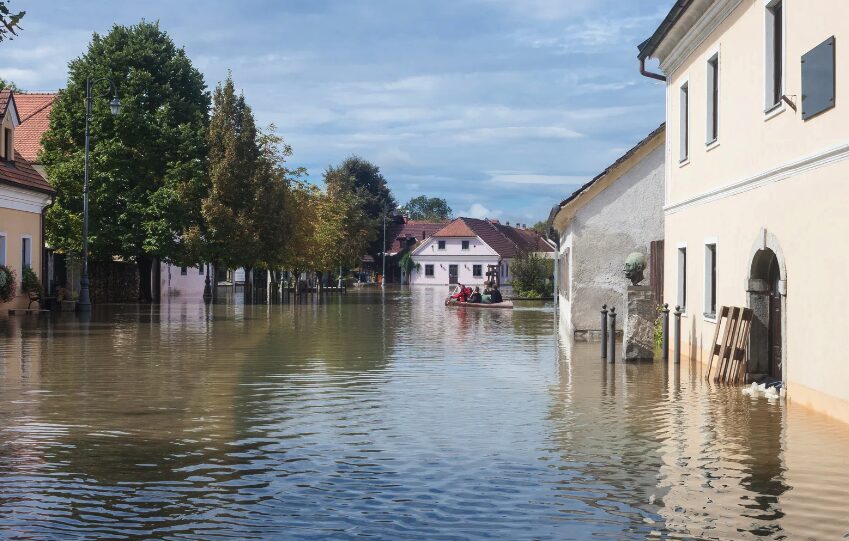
column 34, row 110
column 21, row 174
column 456, row 228
column 507, row 241
column 402, row 234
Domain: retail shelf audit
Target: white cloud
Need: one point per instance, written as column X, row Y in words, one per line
column 515, row 177
column 505, row 133
column 479, row 211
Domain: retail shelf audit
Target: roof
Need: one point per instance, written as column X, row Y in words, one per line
column 610, row 168
column 21, row 174
column 34, row 110
column 7, row 97
column 507, row 241
column 648, row 47
column 403, row 233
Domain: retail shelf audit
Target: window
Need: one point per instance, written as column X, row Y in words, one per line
column 184, row 271
column 441, row 245
column 710, row 280
column 9, row 149
column 713, row 99
column 26, row 253
column 682, row 278
column 506, row 269
column 774, row 75
column 200, row 269
column 477, row 271
column 465, row 245
column 429, row 270
column 2, row 249
column 684, row 142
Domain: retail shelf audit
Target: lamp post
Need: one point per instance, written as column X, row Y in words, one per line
column 383, row 275
column 84, row 302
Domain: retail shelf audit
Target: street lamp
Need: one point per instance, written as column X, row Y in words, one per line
column 84, row 302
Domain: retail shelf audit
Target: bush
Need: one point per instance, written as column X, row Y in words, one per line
column 531, row 273
column 31, row 285
column 8, row 284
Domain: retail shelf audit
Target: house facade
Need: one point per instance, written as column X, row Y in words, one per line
column 618, row 212
column 756, row 194
column 464, row 250
column 402, row 235
column 24, row 196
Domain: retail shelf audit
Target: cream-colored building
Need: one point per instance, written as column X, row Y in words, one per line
column 24, row 194
column 757, row 190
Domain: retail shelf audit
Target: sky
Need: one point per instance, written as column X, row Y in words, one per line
column 502, row 107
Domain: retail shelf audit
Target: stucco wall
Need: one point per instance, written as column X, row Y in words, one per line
column 14, row 225
column 429, row 253
column 173, row 283
column 623, row 218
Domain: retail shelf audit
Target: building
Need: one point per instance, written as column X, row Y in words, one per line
column 24, row 196
column 618, row 212
column 185, row 282
column 402, row 235
column 756, row 194
column 463, row 250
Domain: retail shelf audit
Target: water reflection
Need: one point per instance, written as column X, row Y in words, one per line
column 384, row 414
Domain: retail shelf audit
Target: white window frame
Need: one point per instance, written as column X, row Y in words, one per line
column 681, row 277
column 771, row 107
column 684, row 122
column 712, row 67
column 710, row 288
column 432, row 270
column 4, row 241
column 478, row 275
column 26, row 253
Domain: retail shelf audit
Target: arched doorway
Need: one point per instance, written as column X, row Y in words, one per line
column 766, row 351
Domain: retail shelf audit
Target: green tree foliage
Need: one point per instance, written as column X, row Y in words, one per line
column 531, row 275
column 9, row 21
column 433, row 209
column 362, row 181
column 10, row 85
column 148, row 169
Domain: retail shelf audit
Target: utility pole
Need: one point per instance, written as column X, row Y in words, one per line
column 383, row 275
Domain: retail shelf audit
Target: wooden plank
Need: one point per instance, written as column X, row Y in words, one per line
column 715, row 348
column 656, row 259
column 740, row 355
column 727, row 342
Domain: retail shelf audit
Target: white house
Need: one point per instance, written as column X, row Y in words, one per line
column 618, row 212
column 462, row 251
column 187, row 282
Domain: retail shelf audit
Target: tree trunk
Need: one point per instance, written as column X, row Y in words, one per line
column 145, row 265
column 156, row 286
column 249, row 283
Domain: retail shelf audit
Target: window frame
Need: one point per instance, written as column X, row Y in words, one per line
column 684, row 122
column 681, row 276
column 712, row 97
column 710, row 279
column 477, row 271
column 9, row 144
column 26, row 253
column 4, row 240
column 464, row 245
column 440, row 245
column 184, row 271
column 775, row 56
column 429, row 270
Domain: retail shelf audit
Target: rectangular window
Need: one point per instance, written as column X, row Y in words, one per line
column 713, row 99
column 684, row 122
column 429, row 270
column 2, row 249
column 506, row 269
column 200, row 269
column 774, row 75
column 682, row 278
column 477, row 271
column 465, row 245
column 10, row 145
column 710, row 280
column 441, row 244
column 184, row 271
column 26, row 253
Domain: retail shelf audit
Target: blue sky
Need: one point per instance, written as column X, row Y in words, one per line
column 503, row 107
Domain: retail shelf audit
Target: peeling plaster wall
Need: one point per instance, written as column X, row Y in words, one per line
column 623, row 218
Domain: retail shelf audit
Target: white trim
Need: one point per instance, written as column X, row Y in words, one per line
column 681, row 245
column 776, row 110
column 705, row 282
column 685, row 137
column 24, row 263
column 696, row 36
column 21, row 199
column 769, row 106
column 782, row 172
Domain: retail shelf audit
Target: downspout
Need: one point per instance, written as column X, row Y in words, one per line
column 649, row 74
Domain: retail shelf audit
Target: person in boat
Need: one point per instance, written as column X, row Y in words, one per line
column 476, row 296
column 486, row 297
column 495, row 295
column 462, row 294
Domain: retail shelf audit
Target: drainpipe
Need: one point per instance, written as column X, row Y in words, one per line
column 649, row 74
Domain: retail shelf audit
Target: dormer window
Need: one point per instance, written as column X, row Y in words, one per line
column 9, row 146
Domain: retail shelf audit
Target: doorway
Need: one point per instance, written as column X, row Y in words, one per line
column 453, row 274
column 766, row 352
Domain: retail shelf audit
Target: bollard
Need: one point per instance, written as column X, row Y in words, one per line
column 665, row 326
column 611, row 348
column 603, row 331
column 677, row 335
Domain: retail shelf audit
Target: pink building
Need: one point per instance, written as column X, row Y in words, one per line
column 462, row 251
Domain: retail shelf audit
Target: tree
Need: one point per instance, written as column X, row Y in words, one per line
column 9, row 21
column 367, row 185
column 10, row 85
column 531, row 273
column 433, row 209
column 148, row 167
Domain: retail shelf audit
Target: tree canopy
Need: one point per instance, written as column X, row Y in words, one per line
column 432, row 209
column 9, row 21
column 148, row 164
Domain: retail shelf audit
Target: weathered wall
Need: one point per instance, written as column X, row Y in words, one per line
column 621, row 219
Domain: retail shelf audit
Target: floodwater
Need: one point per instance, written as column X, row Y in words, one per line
column 384, row 415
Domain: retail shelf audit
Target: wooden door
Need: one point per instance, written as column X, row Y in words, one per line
column 656, row 270
column 453, row 274
column 775, row 320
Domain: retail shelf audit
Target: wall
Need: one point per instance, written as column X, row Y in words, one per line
column 622, row 218
column 453, row 254
column 15, row 224
column 174, row 284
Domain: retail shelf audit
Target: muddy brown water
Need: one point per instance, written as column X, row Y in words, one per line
column 383, row 415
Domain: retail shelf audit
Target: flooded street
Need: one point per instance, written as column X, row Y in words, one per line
column 387, row 416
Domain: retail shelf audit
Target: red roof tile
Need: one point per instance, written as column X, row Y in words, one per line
column 456, row 228
column 22, row 175
column 34, row 110
column 403, row 234
column 507, row 241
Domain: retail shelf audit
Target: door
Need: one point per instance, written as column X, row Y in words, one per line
column 775, row 315
column 453, row 274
